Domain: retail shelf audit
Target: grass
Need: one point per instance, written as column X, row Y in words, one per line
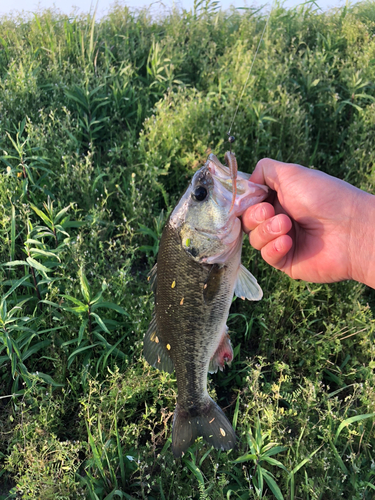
column 102, row 125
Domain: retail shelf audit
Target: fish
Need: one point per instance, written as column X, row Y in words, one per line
column 198, row 271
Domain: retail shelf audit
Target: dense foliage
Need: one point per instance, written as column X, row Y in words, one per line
column 102, row 124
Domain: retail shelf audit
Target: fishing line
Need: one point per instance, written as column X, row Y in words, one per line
column 231, row 138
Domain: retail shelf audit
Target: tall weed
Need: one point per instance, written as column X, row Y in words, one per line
column 103, row 123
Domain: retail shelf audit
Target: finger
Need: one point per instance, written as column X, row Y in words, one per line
column 255, row 215
column 276, row 251
column 270, row 230
column 273, row 173
column 266, row 172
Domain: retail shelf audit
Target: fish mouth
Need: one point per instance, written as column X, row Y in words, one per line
column 228, row 184
column 247, row 194
column 223, row 184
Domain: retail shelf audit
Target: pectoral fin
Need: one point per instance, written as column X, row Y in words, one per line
column 247, row 286
column 213, row 282
column 154, row 350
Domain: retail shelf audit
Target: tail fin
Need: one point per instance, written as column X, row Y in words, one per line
column 211, row 423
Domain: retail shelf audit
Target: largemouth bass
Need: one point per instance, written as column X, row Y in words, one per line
column 197, row 272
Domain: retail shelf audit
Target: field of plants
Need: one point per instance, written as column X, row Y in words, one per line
column 102, row 124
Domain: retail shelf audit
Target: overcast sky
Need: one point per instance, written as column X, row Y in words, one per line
column 67, row 6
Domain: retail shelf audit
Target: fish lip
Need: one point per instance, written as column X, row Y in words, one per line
column 222, row 192
column 222, row 168
column 221, row 177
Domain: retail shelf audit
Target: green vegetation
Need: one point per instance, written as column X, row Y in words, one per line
column 102, row 125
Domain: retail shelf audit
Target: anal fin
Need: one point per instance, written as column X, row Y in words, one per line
column 154, row 350
column 223, row 354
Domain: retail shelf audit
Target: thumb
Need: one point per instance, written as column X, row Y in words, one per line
column 267, row 172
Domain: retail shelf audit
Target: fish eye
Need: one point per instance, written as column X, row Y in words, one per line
column 199, row 194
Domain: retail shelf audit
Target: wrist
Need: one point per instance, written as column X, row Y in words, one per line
column 362, row 240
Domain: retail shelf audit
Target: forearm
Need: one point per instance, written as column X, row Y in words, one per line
column 362, row 240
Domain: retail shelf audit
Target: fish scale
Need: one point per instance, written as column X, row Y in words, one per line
column 199, row 322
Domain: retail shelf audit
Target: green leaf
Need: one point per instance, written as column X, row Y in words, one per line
column 351, row 420
column 236, row 411
column 365, row 96
column 244, row 458
column 194, row 469
column 37, row 265
column 78, row 309
column 85, row 287
column 97, row 297
column 272, row 485
column 205, row 455
column 339, row 459
column 43, row 232
column 301, row 464
column 101, row 338
column 16, row 284
column 113, row 350
column 42, row 215
column 274, row 450
column 96, row 455
column 147, row 231
column 73, row 299
column 109, row 305
column 13, row 234
column 49, row 380
column 79, row 351
column 273, row 461
column 100, row 322
column 61, row 214
column 33, row 242
column 15, row 263
column 82, row 329
column 53, row 304
column 60, row 229
column 35, row 348
column 44, row 253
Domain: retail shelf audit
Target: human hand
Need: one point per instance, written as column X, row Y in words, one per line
column 314, row 227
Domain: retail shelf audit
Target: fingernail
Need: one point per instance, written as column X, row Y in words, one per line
column 275, row 225
column 260, row 214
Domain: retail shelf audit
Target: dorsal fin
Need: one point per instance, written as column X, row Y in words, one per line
column 153, row 278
